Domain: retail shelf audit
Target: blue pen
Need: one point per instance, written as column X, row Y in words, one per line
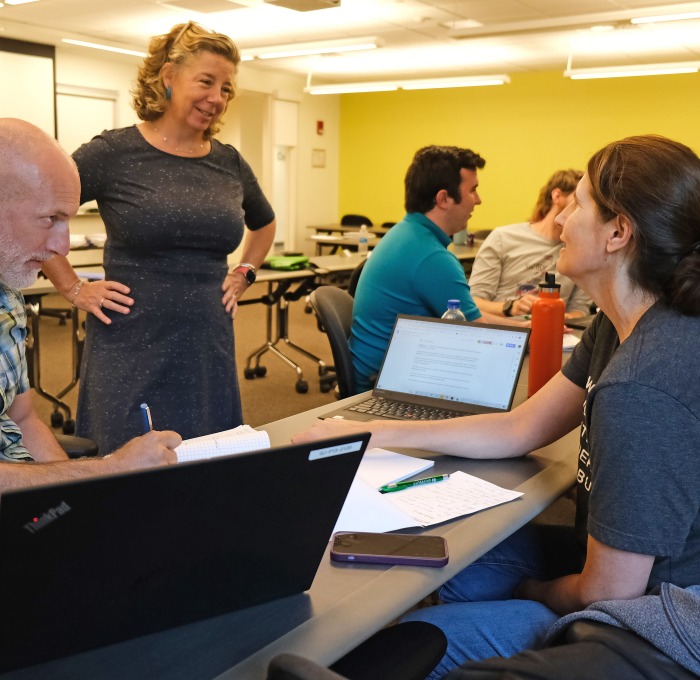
column 146, row 415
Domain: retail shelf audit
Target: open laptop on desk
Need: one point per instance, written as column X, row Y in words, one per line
column 92, row 562
column 436, row 369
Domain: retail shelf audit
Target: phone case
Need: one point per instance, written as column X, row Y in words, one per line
column 391, row 559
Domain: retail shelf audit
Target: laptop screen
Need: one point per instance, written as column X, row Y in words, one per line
column 460, row 362
column 95, row 561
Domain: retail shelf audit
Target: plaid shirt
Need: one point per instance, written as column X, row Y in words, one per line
column 14, row 378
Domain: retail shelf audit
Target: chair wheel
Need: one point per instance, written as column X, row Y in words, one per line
column 302, row 386
column 260, row 371
column 325, row 387
column 249, row 373
column 69, row 426
column 56, row 419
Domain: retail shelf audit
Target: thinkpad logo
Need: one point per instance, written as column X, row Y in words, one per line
column 49, row 516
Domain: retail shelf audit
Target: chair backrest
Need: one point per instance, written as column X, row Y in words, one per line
column 333, row 307
column 355, row 221
column 292, row 667
column 407, row 651
column 355, row 277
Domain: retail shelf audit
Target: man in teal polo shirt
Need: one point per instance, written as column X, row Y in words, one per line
column 411, row 271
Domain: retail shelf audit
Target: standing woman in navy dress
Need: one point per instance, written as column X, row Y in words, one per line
column 175, row 203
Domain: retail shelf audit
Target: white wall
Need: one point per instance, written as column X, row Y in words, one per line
column 317, row 188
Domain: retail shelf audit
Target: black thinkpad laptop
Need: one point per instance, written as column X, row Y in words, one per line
column 436, row 369
column 92, row 562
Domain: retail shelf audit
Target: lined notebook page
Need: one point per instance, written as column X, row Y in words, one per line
column 238, row 440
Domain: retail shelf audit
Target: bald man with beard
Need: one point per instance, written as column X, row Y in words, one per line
column 39, row 193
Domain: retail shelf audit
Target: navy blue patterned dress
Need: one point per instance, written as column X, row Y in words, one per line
column 170, row 223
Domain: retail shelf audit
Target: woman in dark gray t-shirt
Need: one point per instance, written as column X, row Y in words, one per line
column 632, row 242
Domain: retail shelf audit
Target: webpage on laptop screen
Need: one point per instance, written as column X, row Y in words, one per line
column 474, row 365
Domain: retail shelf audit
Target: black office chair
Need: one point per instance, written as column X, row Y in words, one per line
column 388, row 225
column 333, row 308
column 355, row 221
column 355, row 277
column 408, row 651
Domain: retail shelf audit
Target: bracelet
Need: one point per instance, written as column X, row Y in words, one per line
column 77, row 287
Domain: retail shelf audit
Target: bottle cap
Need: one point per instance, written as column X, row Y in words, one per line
column 453, row 304
column 549, row 282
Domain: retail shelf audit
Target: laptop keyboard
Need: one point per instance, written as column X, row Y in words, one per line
column 402, row 410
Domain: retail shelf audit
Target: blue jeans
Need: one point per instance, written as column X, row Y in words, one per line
column 479, row 618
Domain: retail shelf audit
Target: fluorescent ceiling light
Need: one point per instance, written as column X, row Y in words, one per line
column 312, row 49
column 666, row 17
column 351, row 88
column 440, row 83
column 19, row 2
column 427, row 84
column 461, row 24
column 107, row 48
column 632, row 71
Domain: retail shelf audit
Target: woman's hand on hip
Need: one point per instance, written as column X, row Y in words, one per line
column 97, row 296
column 234, row 286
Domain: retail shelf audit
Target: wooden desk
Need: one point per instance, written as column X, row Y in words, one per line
column 345, row 605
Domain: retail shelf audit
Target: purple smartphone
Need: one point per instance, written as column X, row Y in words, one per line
column 421, row 551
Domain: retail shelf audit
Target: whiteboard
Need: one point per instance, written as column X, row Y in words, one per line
column 27, row 86
column 81, row 117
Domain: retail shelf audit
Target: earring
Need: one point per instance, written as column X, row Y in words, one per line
column 168, row 93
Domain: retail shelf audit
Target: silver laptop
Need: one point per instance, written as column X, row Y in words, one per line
column 435, row 369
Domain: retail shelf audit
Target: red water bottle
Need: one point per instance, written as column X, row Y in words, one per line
column 546, row 337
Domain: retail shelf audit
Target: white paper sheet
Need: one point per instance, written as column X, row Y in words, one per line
column 380, row 466
column 238, row 440
column 570, row 341
column 461, row 494
column 366, row 509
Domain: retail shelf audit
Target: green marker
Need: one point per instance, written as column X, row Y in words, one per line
column 400, row 486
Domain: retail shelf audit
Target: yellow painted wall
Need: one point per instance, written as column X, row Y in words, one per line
column 539, row 123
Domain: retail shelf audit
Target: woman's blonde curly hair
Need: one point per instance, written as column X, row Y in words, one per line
column 182, row 42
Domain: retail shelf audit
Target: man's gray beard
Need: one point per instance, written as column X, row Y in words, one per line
column 14, row 270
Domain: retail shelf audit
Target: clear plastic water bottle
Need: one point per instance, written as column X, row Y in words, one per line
column 363, row 240
column 453, row 311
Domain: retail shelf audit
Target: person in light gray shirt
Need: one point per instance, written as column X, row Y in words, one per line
column 513, row 259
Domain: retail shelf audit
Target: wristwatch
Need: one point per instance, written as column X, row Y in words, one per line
column 508, row 307
column 248, row 271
